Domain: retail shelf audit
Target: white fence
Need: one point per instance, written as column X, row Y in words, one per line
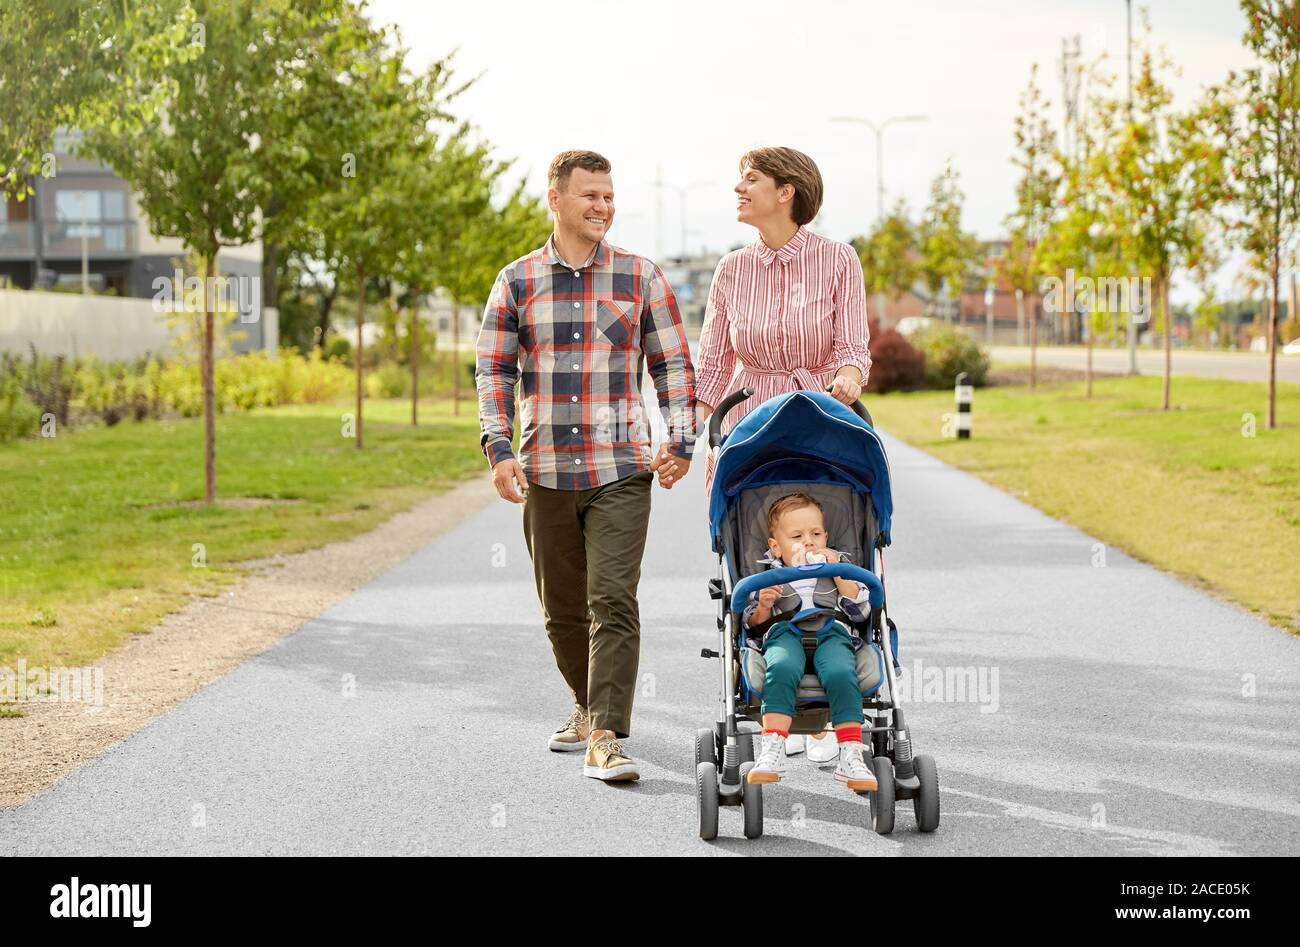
column 109, row 327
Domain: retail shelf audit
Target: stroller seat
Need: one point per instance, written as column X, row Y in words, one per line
column 753, row 669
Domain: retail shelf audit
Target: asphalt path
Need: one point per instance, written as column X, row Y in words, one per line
column 1076, row 701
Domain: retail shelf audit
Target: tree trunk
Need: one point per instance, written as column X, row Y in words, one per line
column 326, row 307
column 1087, row 372
column 455, row 355
column 1163, row 289
column 209, row 386
column 1272, row 347
column 415, row 365
column 361, row 321
column 1033, row 347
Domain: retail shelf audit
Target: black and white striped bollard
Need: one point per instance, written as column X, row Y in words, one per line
column 964, row 393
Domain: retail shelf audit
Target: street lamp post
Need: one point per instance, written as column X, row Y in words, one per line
column 681, row 194
column 879, row 131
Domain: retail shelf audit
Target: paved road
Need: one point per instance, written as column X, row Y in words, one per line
column 412, row 718
column 1238, row 366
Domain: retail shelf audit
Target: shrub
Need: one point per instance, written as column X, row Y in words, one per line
column 895, row 365
column 948, row 353
column 323, row 378
column 338, row 347
column 18, row 416
column 389, row 381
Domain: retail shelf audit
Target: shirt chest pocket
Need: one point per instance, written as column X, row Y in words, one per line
column 616, row 321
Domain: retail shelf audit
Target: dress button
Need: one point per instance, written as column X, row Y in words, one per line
column 578, row 461
column 577, row 305
column 577, row 335
column 575, row 398
column 575, row 430
column 576, row 366
column 577, row 275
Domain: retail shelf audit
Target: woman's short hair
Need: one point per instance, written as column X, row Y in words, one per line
column 787, row 166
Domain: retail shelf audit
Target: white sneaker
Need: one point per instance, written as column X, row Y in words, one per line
column 823, row 749
column 771, row 760
column 794, row 744
column 854, row 770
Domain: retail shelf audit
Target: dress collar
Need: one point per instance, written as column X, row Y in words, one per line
column 551, row 254
column 787, row 252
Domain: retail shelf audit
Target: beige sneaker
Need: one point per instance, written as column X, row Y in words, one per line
column 573, row 735
column 606, row 760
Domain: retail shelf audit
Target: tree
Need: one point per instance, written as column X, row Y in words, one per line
column 1024, row 263
column 80, row 64
column 888, row 256
column 203, row 170
column 1265, row 151
column 447, row 250
column 1166, row 175
column 947, row 251
column 379, row 136
column 1083, row 238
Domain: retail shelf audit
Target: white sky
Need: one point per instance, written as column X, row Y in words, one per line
column 690, row 86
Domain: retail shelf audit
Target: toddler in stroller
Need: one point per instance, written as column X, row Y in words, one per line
column 837, row 648
column 780, row 616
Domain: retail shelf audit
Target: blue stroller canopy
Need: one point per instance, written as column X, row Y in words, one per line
column 800, row 437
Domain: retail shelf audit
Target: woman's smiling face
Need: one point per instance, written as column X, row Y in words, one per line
column 758, row 198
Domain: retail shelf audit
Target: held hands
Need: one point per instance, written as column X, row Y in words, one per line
column 505, row 473
column 669, row 467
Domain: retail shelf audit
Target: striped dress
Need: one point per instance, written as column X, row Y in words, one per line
column 781, row 320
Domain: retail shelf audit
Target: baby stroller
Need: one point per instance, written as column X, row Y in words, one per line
column 808, row 442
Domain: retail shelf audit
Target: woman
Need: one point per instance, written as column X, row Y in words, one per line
column 787, row 312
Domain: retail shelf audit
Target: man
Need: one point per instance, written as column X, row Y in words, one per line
column 576, row 320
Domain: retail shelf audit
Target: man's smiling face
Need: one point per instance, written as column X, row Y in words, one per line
column 585, row 206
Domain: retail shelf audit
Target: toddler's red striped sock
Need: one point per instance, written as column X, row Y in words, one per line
column 850, row 733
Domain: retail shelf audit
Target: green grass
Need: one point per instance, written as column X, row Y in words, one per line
column 1184, row 490
column 98, row 527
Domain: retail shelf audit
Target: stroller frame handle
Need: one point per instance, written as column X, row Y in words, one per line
column 720, row 412
column 784, row 574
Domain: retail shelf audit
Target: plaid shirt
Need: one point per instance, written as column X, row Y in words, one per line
column 578, row 340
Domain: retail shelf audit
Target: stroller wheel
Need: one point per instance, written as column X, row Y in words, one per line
column 926, row 800
column 882, row 799
column 705, row 751
column 706, row 797
column 751, row 801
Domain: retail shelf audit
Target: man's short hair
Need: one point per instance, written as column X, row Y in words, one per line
column 562, row 166
column 791, row 501
column 787, row 166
